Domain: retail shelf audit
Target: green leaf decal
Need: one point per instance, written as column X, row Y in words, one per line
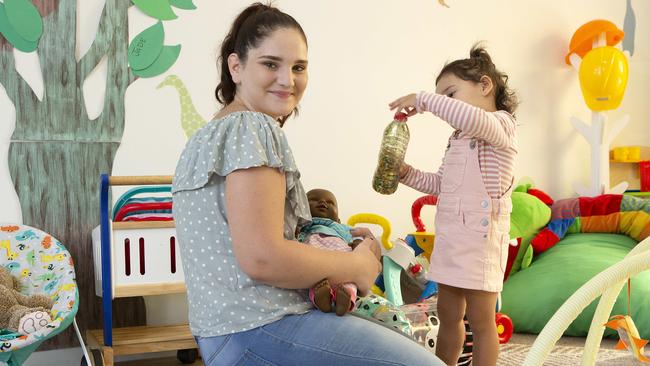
column 146, row 47
column 159, row 9
column 12, row 36
column 183, row 4
column 167, row 57
column 25, row 19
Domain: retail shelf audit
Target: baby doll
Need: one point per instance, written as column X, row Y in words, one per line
column 21, row 313
column 327, row 232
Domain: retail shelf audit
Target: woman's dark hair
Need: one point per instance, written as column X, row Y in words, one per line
column 473, row 68
column 249, row 29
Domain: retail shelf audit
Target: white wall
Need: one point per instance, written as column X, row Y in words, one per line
column 362, row 55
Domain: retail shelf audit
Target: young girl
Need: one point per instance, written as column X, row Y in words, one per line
column 473, row 186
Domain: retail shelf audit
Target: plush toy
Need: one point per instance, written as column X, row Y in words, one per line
column 530, row 213
column 608, row 213
column 21, row 313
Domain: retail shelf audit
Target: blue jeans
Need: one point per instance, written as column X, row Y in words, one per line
column 315, row 338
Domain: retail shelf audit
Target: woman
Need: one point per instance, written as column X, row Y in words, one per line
column 238, row 202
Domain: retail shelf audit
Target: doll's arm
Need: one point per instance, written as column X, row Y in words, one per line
column 496, row 128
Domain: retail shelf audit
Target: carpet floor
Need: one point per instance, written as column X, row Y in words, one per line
column 567, row 351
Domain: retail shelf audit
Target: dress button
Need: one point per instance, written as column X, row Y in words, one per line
column 484, row 222
column 484, row 204
column 472, row 144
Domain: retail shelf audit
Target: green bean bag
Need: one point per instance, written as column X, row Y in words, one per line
column 531, row 296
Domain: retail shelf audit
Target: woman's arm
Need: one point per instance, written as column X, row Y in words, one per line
column 255, row 202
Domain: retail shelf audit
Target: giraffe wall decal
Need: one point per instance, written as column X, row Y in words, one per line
column 191, row 120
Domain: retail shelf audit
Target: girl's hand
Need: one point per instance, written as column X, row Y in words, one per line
column 403, row 168
column 368, row 266
column 406, row 104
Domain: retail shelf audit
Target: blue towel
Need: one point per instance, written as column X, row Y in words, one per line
column 325, row 226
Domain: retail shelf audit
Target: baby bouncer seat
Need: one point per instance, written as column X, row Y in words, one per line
column 42, row 265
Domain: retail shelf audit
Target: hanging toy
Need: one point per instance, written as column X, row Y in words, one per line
column 629, row 336
column 627, row 332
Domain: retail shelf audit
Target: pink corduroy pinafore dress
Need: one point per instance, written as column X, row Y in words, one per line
column 472, row 229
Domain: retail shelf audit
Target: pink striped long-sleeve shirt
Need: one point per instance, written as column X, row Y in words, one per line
column 495, row 133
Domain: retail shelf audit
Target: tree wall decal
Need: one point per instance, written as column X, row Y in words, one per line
column 56, row 152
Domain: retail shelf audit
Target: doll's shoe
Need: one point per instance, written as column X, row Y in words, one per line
column 32, row 322
column 342, row 300
column 321, row 295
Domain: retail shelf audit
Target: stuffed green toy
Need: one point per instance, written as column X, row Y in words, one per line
column 530, row 213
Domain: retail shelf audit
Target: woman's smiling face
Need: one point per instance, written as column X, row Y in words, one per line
column 273, row 77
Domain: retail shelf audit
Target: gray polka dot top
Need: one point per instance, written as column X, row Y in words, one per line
column 222, row 298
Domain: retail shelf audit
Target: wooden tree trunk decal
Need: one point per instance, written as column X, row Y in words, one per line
column 57, row 153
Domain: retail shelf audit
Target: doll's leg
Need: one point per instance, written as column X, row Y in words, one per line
column 321, row 295
column 345, row 296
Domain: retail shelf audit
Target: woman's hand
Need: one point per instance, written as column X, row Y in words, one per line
column 361, row 232
column 406, row 104
column 367, row 255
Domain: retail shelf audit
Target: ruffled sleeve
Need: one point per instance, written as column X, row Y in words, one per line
column 240, row 140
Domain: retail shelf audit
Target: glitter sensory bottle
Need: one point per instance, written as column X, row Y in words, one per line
column 391, row 155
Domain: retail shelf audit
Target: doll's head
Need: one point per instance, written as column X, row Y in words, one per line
column 322, row 203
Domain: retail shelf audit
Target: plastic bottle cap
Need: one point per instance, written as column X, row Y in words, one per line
column 402, row 117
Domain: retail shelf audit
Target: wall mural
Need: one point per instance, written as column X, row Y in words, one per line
column 56, row 152
column 191, row 120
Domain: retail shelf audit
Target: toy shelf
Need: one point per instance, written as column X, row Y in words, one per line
column 625, row 167
column 137, row 340
column 136, row 258
column 157, row 272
